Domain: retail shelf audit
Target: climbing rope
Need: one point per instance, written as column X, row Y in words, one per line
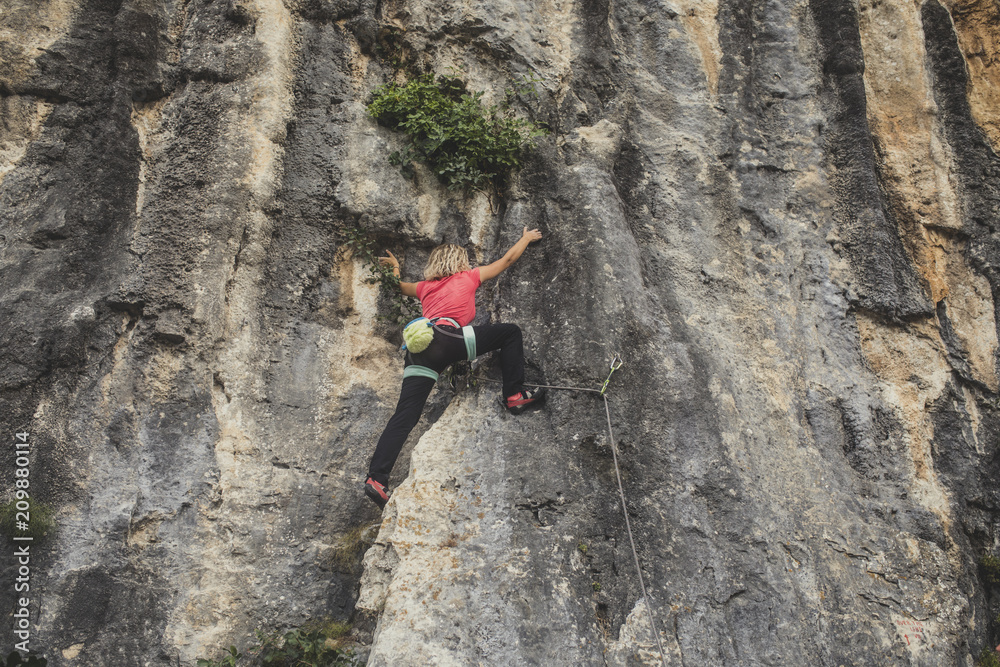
column 532, row 384
column 628, row 528
column 616, row 363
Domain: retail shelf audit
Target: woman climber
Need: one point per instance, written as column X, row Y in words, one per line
column 448, row 300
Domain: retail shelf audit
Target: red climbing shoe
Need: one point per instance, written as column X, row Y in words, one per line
column 377, row 492
column 520, row 402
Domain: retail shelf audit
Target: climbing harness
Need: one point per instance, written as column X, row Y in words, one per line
column 616, row 363
column 417, row 337
column 415, row 370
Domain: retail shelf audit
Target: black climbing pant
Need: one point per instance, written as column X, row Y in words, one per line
column 443, row 351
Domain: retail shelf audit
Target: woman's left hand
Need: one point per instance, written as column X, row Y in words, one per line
column 531, row 235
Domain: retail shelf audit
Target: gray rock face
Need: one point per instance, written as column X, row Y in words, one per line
column 783, row 215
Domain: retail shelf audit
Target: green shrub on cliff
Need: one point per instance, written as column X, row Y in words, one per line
column 463, row 142
column 313, row 645
column 991, row 566
column 988, row 658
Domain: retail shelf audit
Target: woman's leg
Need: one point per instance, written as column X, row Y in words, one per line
column 442, row 352
column 412, row 397
column 506, row 338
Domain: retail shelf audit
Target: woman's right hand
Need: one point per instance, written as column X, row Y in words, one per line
column 389, row 261
column 532, row 235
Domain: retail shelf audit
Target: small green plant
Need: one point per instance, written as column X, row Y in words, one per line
column 230, row 659
column 308, row 648
column 525, row 87
column 582, row 548
column 363, row 246
column 317, row 644
column 988, row 658
column 344, row 556
column 991, row 566
column 465, row 144
column 26, row 517
column 596, row 586
column 391, row 46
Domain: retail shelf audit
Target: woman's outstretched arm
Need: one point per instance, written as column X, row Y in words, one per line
column 496, row 268
column 409, row 289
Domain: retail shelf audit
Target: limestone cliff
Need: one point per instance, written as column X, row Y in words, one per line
column 782, row 214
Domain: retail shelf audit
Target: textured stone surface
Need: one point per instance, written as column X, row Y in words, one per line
column 782, row 214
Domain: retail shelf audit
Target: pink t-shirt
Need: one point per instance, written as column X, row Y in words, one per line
column 454, row 296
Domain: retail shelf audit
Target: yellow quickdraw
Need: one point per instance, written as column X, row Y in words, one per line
column 616, row 363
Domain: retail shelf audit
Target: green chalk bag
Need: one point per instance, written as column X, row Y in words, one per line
column 417, row 335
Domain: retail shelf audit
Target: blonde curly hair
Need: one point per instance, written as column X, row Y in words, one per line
column 446, row 260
